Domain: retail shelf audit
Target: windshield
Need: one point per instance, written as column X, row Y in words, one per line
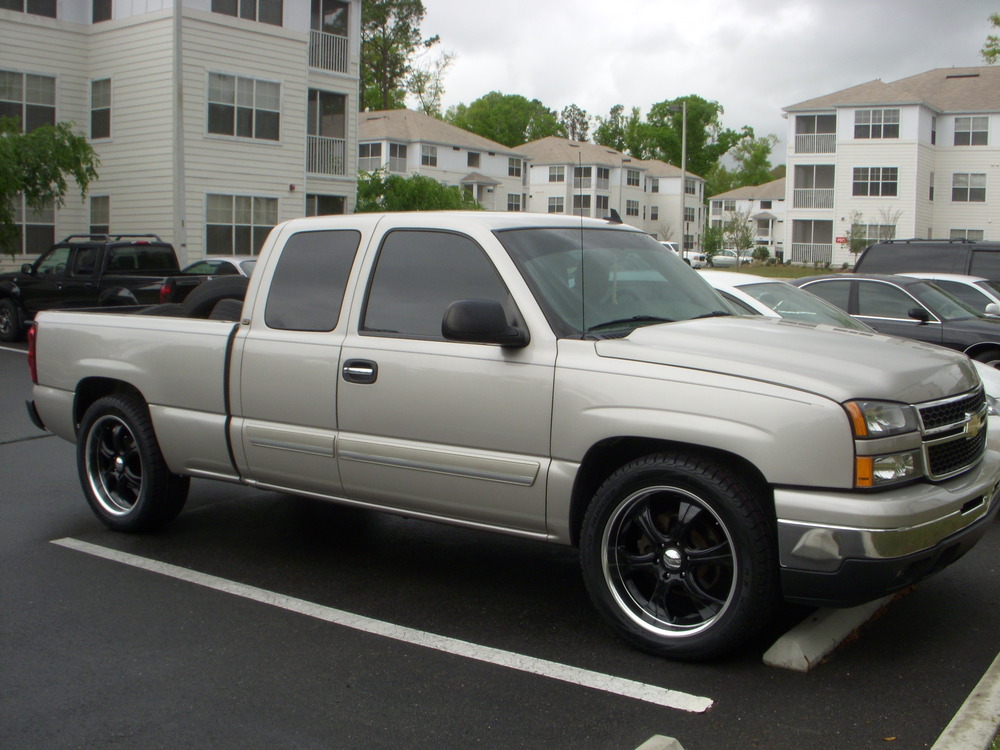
column 797, row 304
column 940, row 302
column 607, row 282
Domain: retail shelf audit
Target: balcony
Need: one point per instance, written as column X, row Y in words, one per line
column 326, row 155
column 816, row 143
column 328, row 51
column 812, row 253
column 812, row 198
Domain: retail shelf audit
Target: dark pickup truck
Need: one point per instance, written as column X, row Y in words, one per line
column 92, row 270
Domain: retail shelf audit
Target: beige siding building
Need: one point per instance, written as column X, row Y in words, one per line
column 760, row 206
column 213, row 120
column 914, row 158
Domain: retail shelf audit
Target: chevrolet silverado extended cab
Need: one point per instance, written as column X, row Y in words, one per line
column 557, row 378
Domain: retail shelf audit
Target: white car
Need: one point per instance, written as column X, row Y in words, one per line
column 979, row 293
column 222, row 265
column 692, row 258
column 729, row 258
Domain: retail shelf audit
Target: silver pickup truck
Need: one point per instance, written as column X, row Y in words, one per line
column 557, row 378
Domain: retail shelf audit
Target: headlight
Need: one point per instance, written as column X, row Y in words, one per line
column 876, row 471
column 876, row 419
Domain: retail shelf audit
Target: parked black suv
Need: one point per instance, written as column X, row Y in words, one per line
column 942, row 256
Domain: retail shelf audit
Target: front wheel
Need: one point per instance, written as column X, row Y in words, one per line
column 11, row 327
column 990, row 357
column 679, row 557
column 125, row 479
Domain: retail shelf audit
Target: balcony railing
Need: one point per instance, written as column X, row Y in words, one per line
column 812, row 198
column 811, row 253
column 581, row 183
column 816, row 143
column 603, row 183
column 328, row 51
column 327, row 155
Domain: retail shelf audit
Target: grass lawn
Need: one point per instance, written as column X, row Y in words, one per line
column 781, row 271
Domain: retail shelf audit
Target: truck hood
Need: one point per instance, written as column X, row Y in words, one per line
column 837, row 363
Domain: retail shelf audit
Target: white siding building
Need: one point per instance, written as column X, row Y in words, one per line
column 200, row 142
column 586, row 179
column 919, row 157
column 404, row 142
column 763, row 208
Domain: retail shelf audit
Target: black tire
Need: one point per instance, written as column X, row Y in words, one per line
column 124, row 477
column 227, row 309
column 167, row 309
column 989, row 357
column 11, row 322
column 201, row 300
column 679, row 557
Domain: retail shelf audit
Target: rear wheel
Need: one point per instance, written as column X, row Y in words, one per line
column 679, row 557
column 125, row 479
column 989, row 357
column 11, row 327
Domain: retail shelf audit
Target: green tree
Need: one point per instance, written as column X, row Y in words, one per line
column 857, row 234
column 390, row 35
column 510, row 119
column 426, row 83
column 753, row 160
column 707, row 140
column 625, row 133
column 991, row 49
column 575, row 122
column 711, row 240
column 737, row 230
column 380, row 192
column 37, row 165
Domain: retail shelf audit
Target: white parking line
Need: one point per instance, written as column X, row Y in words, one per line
column 511, row 660
column 13, row 349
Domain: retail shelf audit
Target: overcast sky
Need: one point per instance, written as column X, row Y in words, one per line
column 752, row 56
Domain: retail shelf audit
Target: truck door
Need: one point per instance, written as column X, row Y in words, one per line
column 285, row 408
column 43, row 288
column 436, row 426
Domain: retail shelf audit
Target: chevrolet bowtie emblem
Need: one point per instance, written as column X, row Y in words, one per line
column 974, row 425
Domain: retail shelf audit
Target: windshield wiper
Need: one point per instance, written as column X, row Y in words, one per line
column 627, row 321
column 713, row 314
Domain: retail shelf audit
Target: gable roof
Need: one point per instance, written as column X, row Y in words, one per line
column 769, row 191
column 555, row 150
column 407, row 126
column 942, row 89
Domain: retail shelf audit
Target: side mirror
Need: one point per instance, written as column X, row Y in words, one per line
column 919, row 314
column 481, row 321
column 992, row 309
column 27, row 268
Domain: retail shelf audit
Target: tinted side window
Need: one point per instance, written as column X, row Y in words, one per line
column 54, row 262
column 418, row 274
column 878, row 300
column 308, row 285
column 969, row 295
column 85, row 263
column 986, row 263
column 835, row 292
column 144, row 258
column 916, row 257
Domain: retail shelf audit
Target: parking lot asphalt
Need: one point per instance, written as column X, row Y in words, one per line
column 237, row 627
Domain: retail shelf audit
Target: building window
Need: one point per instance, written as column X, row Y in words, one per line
column 933, row 131
column 930, row 189
column 602, row 205
column 243, row 107
column 581, row 205
column 473, row 159
column 238, row 224
column 972, row 131
column 582, row 177
column 632, row 177
column 815, row 134
column 513, row 201
column 728, row 205
column 690, row 187
column 603, row 178
column 876, row 123
column 428, row 156
column 100, row 214
column 29, row 99
column 765, row 205
column 326, row 128
column 875, row 232
column 654, row 213
column 557, row 174
column 265, row 11
column 514, row 167
column 631, row 208
column 100, row 109
column 973, row 235
column 654, row 185
column 36, row 228
column 557, row 204
column 325, row 205
column 101, row 11
column 369, row 157
column 876, row 181
column 35, row 7
column 968, row 188
column 397, row 157
column 688, row 213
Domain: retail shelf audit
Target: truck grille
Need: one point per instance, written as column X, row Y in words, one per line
column 954, row 434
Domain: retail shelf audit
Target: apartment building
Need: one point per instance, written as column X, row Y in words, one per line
column 405, row 142
column 214, row 119
column 918, row 157
column 586, row 179
column 762, row 207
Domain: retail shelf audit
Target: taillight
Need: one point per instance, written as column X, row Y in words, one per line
column 32, row 362
column 166, row 291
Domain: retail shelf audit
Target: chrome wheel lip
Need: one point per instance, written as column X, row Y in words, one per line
column 103, row 465
column 617, row 586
